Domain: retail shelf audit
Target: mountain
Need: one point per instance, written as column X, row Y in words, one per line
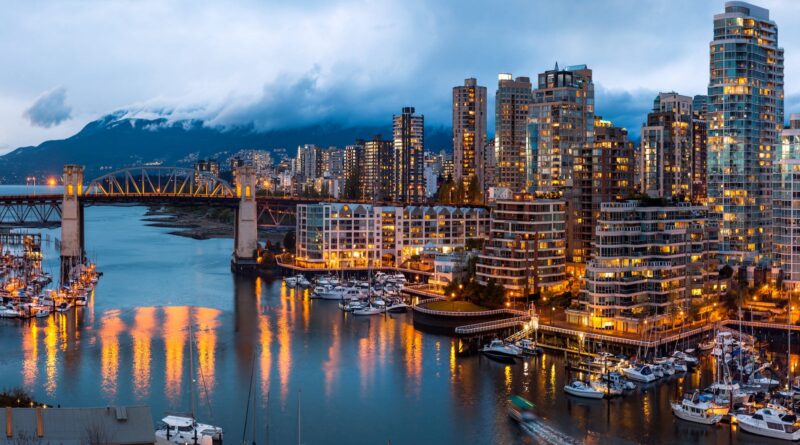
column 117, row 141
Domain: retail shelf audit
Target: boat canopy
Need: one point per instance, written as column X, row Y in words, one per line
column 520, row 402
column 178, row 421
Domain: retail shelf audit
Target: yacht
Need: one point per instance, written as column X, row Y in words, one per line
column 689, row 359
column 42, row 312
column 500, row 351
column 658, row 371
column 303, row 282
column 528, row 347
column 398, row 307
column 290, row 281
column 578, row 388
column 185, row 430
column 81, row 300
column 329, row 292
column 8, row 312
column 699, row 408
column 607, row 388
column 640, row 373
column 63, row 306
column 368, row 310
column 618, row 380
column 768, row 422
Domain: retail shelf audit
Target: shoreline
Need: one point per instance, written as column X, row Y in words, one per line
column 188, row 225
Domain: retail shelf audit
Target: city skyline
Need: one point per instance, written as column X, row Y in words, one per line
column 253, row 75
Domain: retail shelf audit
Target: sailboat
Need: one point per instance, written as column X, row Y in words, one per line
column 182, row 429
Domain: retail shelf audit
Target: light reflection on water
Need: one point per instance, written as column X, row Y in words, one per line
column 363, row 379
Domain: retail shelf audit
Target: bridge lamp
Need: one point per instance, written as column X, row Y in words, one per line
column 51, row 181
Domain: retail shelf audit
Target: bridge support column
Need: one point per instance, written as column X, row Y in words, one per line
column 71, row 221
column 245, row 253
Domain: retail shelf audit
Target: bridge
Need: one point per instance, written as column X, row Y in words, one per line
column 152, row 185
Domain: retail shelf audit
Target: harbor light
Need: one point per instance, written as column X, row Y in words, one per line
column 51, row 181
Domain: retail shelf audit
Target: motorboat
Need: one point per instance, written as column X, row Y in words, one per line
column 768, row 422
column 368, row 310
column 500, row 351
column 185, row 430
column 579, row 388
column 520, row 409
column 728, row 393
column 528, row 346
column 63, row 306
column 290, row 281
column 640, row 373
column 680, row 366
column 699, row 408
column 618, row 380
column 689, row 359
column 658, row 371
column 329, row 292
column 81, row 299
column 398, row 307
column 707, row 345
column 8, row 312
column 303, row 282
column 42, row 312
column 607, row 388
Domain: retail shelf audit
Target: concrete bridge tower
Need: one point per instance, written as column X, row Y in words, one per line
column 71, row 220
column 246, row 224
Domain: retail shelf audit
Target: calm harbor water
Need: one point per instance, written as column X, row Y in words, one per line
column 361, row 380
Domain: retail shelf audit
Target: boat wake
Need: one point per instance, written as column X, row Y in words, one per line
column 547, row 434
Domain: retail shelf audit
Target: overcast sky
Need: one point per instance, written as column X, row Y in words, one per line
column 278, row 64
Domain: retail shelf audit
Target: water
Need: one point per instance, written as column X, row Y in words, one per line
column 361, row 380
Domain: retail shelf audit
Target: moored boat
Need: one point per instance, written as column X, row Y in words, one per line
column 698, row 408
column 579, row 388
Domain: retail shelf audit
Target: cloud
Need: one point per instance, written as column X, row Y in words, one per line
column 49, row 109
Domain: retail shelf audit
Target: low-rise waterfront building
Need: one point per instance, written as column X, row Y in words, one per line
column 654, row 262
column 526, row 248
column 336, row 235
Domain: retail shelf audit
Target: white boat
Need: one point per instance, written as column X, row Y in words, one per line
column 658, row 371
column 63, row 307
column 42, row 312
column 707, row 345
column 688, row 358
column 368, row 310
column 528, row 346
column 81, row 300
column 699, row 408
column 184, row 430
column 640, row 373
column 578, row 388
column 680, row 366
column 770, row 423
column 618, row 380
column 290, row 281
column 398, row 307
column 607, row 388
column 8, row 312
column 724, row 392
column 303, row 282
column 500, row 351
column 329, row 292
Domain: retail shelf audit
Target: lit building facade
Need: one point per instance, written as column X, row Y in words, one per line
column 786, row 206
column 469, row 133
column 335, row 235
column 745, row 118
column 560, row 138
column 526, row 247
column 651, row 261
column 699, row 148
column 512, row 102
column 377, row 172
column 612, row 165
column 667, row 148
column 408, row 185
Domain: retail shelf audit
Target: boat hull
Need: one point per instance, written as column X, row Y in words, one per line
column 752, row 429
column 585, row 394
column 683, row 415
column 500, row 357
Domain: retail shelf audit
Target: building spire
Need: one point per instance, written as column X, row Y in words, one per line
column 556, row 66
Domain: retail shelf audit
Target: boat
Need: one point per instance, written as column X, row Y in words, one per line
column 618, row 380
column 699, row 408
column 8, row 312
column 398, row 307
column 81, row 300
column 500, row 351
column 303, row 282
column 368, row 310
column 579, row 388
column 528, row 346
column 770, row 423
column 707, row 345
column 640, row 373
column 520, row 409
column 680, row 366
column 63, row 306
column 689, row 359
column 290, row 281
column 184, row 430
column 42, row 312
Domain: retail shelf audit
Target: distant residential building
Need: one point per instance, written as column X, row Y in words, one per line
column 652, row 260
column 667, row 147
column 512, row 102
column 409, row 151
column 699, row 148
column 469, row 133
column 489, row 167
column 353, row 168
column 448, row 170
column 525, row 250
column 745, row 118
column 335, row 163
column 335, row 235
column 560, row 139
column 205, row 166
column 309, row 162
column 612, row 161
column 377, row 173
column 786, row 205
column 433, row 173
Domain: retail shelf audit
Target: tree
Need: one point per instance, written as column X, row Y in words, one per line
column 474, row 193
column 289, row 241
column 351, row 185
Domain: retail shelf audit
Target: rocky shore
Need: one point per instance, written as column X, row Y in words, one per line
column 191, row 223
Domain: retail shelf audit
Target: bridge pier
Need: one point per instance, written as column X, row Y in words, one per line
column 71, row 221
column 245, row 235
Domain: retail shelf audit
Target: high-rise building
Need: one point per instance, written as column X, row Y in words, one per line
column 409, row 157
column 377, row 172
column 786, row 206
column 560, row 132
column 666, row 151
column 745, row 118
column 489, row 167
column 526, row 245
column 353, row 161
column 309, row 165
column 469, row 134
column 650, row 260
column 699, row 148
column 512, row 102
column 612, row 165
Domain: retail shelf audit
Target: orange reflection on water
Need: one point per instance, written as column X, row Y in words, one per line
column 330, row 366
column 30, row 366
column 51, row 349
column 144, row 324
column 109, row 351
column 412, row 345
column 265, row 338
column 284, row 351
column 176, row 319
column 206, row 339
